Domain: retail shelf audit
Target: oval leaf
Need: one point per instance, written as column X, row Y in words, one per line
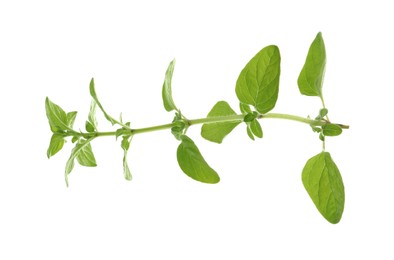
column 245, row 108
column 57, row 118
column 249, row 132
column 168, row 102
column 193, row 164
column 258, row 82
column 311, row 77
column 216, row 132
column 56, row 144
column 332, row 130
column 85, row 156
column 256, row 128
column 323, row 182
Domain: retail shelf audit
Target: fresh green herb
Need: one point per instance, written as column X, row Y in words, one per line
column 323, row 182
column 257, row 90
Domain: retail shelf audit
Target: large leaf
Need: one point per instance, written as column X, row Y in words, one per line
column 310, row 81
column 323, row 182
column 87, row 159
column 168, row 102
column 216, row 132
column 125, row 146
column 193, row 164
column 258, row 83
column 56, row 144
column 95, row 98
column 57, row 118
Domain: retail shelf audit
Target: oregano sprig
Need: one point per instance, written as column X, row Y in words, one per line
column 257, row 89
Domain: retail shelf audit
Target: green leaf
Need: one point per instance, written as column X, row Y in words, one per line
column 95, row 98
column 85, row 156
column 216, row 132
column 249, row 117
column 57, row 118
column 316, row 129
column 323, row 182
column 92, row 116
column 74, row 139
column 89, row 127
column 255, row 127
column 321, row 136
column 310, row 81
column 122, row 131
column 55, row 145
column 168, row 102
column 245, row 108
column 323, row 112
column 258, row 82
column 193, row 164
column 71, row 118
column 87, row 159
column 331, row 130
column 125, row 146
column 249, row 132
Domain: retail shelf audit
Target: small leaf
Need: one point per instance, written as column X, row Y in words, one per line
column 310, row 81
column 323, row 182
column 89, row 127
column 168, row 102
column 193, row 164
column 95, row 98
column 125, row 146
column 256, row 128
column 55, row 145
column 245, row 108
column 216, row 132
column 56, row 116
column 249, row 117
column 258, row 82
column 74, row 139
column 71, row 118
column 74, row 154
column 92, row 115
column 249, row 132
column 85, row 156
column 331, row 130
column 321, row 136
column 323, row 112
column 122, row 131
column 316, row 129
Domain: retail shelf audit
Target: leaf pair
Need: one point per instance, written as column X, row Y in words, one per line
column 257, row 85
column 189, row 157
column 320, row 176
column 59, row 122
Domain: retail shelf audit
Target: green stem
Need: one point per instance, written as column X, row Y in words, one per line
column 210, row 120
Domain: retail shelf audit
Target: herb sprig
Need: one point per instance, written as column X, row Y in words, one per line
column 257, row 89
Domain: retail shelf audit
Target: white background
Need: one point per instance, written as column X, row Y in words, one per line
column 260, row 209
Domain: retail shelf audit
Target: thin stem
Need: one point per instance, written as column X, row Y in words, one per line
column 211, row 120
column 151, row 129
